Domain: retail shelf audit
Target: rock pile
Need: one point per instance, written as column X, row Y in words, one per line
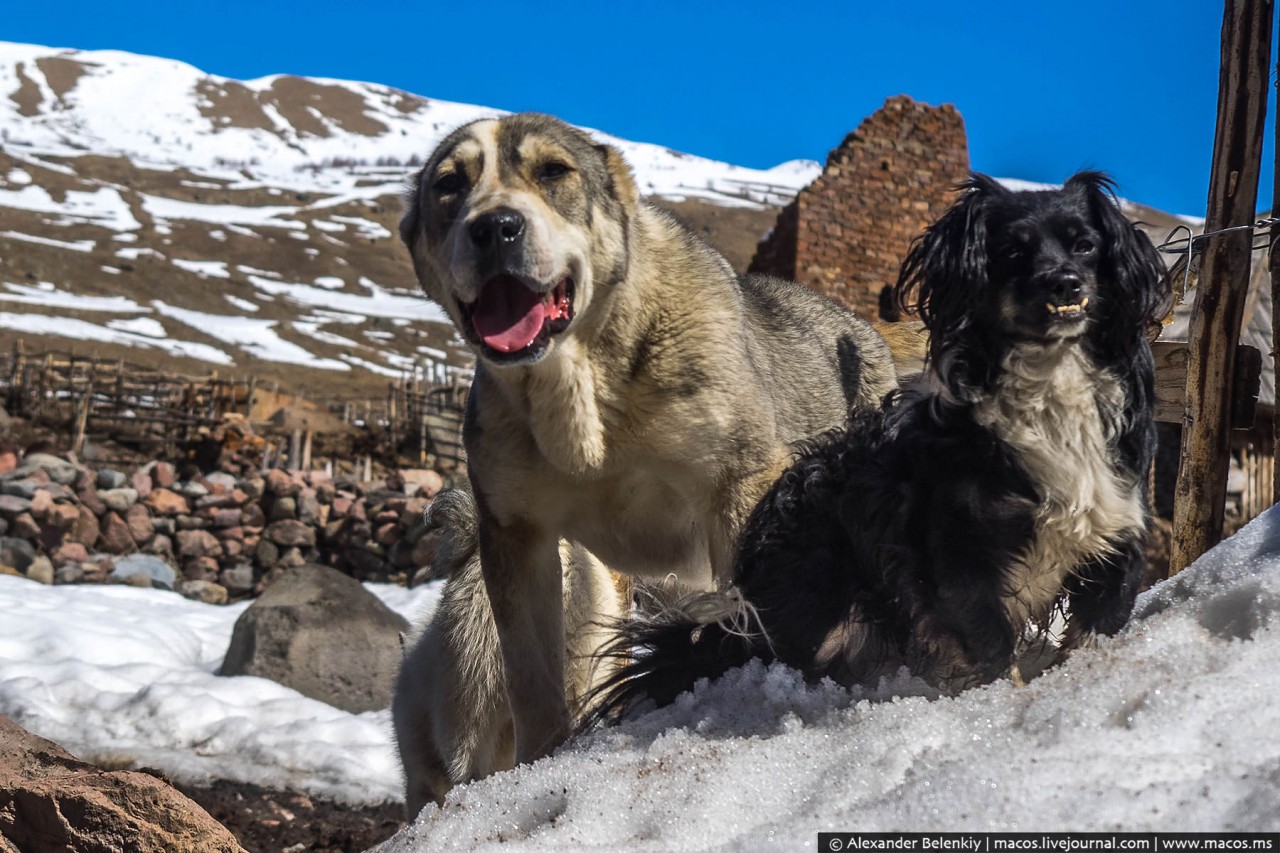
column 215, row 537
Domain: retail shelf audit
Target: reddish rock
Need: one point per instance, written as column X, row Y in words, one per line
column 85, row 530
column 164, row 502
column 239, row 498
column 62, row 516
column 253, row 516
column 8, row 461
column 140, row 526
column 281, row 484
column 232, row 548
column 41, row 505
column 200, row 569
column 325, row 492
column 23, row 526
column 227, row 517
column 341, row 506
column 413, row 510
column 163, row 476
column 49, row 800
column 422, row 482
column 70, row 552
column 89, row 498
column 141, row 483
column 197, row 543
column 291, row 532
column 229, row 534
column 387, row 534
column 116, row 536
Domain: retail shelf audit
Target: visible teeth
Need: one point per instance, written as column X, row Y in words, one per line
column 1067, row 309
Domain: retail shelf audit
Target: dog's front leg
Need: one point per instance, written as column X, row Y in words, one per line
column 522, row 575
column 1101, row 595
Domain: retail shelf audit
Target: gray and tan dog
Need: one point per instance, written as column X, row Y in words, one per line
column 632, row 396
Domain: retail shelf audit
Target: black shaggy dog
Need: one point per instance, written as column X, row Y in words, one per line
column 1008, row 480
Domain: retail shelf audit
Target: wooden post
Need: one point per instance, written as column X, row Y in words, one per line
column 306, row 451
column 1200, row 495
column 82, row 422
column 15, row 379
column 1273, row 262
column 295, row 449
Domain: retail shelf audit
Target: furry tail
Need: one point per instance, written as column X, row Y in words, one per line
column 659, row 657
column 453, row 513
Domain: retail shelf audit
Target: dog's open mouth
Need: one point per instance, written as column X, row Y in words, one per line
column 511, row 317
column 1068, row 312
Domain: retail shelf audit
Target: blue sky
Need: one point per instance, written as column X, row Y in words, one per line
column 1128, row 86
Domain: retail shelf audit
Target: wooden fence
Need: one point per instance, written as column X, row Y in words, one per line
column 157, row 411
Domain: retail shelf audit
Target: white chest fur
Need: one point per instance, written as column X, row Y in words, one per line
column 1058, row 412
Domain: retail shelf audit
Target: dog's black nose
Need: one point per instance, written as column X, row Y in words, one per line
column 496, row 228
column 1065, row 288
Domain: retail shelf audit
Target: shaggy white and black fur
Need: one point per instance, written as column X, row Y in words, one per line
column 1009, row 479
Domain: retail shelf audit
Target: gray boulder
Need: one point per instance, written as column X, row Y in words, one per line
column 160, row 572
column 59, row 470
column 323, row 634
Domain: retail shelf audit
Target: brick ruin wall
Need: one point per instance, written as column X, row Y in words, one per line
column 846, row 234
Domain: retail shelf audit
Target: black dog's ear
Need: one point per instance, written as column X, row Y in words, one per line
column 946, row 269
column 1138, row 294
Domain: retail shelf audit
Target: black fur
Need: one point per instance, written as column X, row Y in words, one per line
column 895, row 541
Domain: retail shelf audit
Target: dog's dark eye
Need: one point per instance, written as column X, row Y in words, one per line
column 553, row 171
column 1083, row 246
column 449, row 182
column 1011, row 252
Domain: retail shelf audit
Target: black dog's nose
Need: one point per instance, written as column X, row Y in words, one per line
column 1065, row 288
column 496, row 228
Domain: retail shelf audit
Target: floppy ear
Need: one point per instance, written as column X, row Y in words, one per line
column 411, row 230
column 1136, row 293
column 621, row 183
column 945, row 272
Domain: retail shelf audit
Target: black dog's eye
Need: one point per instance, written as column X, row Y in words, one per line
column 1083, row 246
column 449, row 182
column 1011, row 252
column 553, row 170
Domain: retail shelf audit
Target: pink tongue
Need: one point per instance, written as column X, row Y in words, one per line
column 508, row 316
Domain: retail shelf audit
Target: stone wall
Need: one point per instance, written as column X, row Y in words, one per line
column 846, row 233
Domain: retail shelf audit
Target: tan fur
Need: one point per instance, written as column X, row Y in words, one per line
column 647, row 430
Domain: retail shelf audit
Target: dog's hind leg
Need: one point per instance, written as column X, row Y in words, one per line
column 450, row 709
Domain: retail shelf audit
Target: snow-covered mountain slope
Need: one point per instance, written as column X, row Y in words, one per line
column 154, row 212
column 163, row 113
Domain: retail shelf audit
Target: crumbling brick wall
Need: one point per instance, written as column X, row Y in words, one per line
column 846, row 233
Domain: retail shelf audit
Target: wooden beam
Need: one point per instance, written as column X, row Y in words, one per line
column 1200, row 495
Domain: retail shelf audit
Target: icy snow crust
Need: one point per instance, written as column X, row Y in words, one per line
column 1173, row 724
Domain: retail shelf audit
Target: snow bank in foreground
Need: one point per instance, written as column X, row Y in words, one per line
column 1174, row 724
column 126, row 676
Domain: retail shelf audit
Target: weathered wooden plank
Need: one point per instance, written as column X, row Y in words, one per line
column 1171, row 383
